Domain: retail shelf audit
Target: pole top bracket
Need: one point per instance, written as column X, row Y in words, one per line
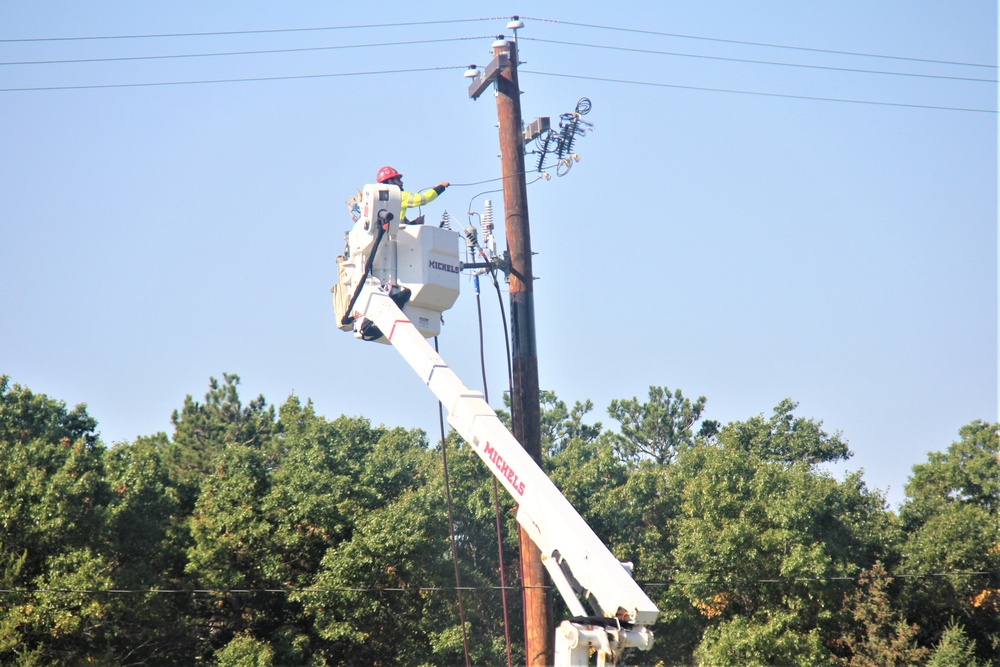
column 483, row 81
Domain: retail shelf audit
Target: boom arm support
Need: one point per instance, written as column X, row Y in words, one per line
column 575, row 557
column 393, row 284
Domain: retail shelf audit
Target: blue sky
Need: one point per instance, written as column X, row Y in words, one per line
column 821, row 229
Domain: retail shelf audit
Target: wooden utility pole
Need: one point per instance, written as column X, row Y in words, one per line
column 524, row 399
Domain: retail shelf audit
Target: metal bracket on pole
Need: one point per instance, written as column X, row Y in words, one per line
column 483, row 81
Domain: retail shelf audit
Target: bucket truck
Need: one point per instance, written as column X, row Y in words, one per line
column 394, row 281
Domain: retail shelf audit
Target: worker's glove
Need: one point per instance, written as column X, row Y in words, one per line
column 443, row 184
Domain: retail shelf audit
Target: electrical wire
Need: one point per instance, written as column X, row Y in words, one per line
column 451, row 526
column 244, row 32
column 452, row 589
column 488, row 180
column 243, row 80
column 245, row 53
column 477, row 196
column 789, row 580
column 760, row 62
column 758, row 93
column 487, row 192
column 496, row 490
column 506, row 341
column 763, row 44
column 495, row 18
column 154, row 84
column 441, row 68
column 249, row 591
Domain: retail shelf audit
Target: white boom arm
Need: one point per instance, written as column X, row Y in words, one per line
column 576, row 559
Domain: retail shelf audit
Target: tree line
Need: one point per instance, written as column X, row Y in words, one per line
column 260, row 535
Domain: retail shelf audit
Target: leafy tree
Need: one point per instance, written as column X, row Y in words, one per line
column 52, row 499
column 144, row 537
column 883, row 637
column 26, row 416
column 245, row 651
column 660, row 427
column 561, row 425
column 968, row 473
column 583, row 464
column 767, row 639
column 51, row 485
column 952, row 520
column 265, row 516
column 326, row 541
column 765, row 538
column 785, row 438
column 143, row 529
column 79, row 520
column 373, row 610
column 202, row 430
column 954, row 650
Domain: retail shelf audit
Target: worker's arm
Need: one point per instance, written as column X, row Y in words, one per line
column 411, row 199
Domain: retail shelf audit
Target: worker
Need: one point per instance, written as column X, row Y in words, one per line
column 410, row 199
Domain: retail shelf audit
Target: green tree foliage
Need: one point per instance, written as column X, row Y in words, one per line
column 952, row 521
column 291, row 539
column 660, row 427
column 785, row 438
column 765, row 539
column 245, row 651
column 881, row 636
column 52, row 498
column 967, row 473
column 954, row 650
column 767, row 639
column 202, row 430
column 78, row 520
column 561, row 425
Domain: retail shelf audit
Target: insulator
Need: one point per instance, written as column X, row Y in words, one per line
column 549, row 137
column 487, row 223
column 445, row 221
column 571, row 126
column 470, row 236
column 569, row 129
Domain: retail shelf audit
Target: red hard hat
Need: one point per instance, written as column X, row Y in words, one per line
column 385, row 173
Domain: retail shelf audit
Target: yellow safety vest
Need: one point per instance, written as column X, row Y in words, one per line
column 411, row 199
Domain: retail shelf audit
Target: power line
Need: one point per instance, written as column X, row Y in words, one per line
column 243, row 53
column 242, row 32
column 243, row 80
column 452, row 589
column 414, row 70
column 792, row 580
column 763, row 94
column 759, row 62
column 764, row 44
column 494, row 18
column 253, row 591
